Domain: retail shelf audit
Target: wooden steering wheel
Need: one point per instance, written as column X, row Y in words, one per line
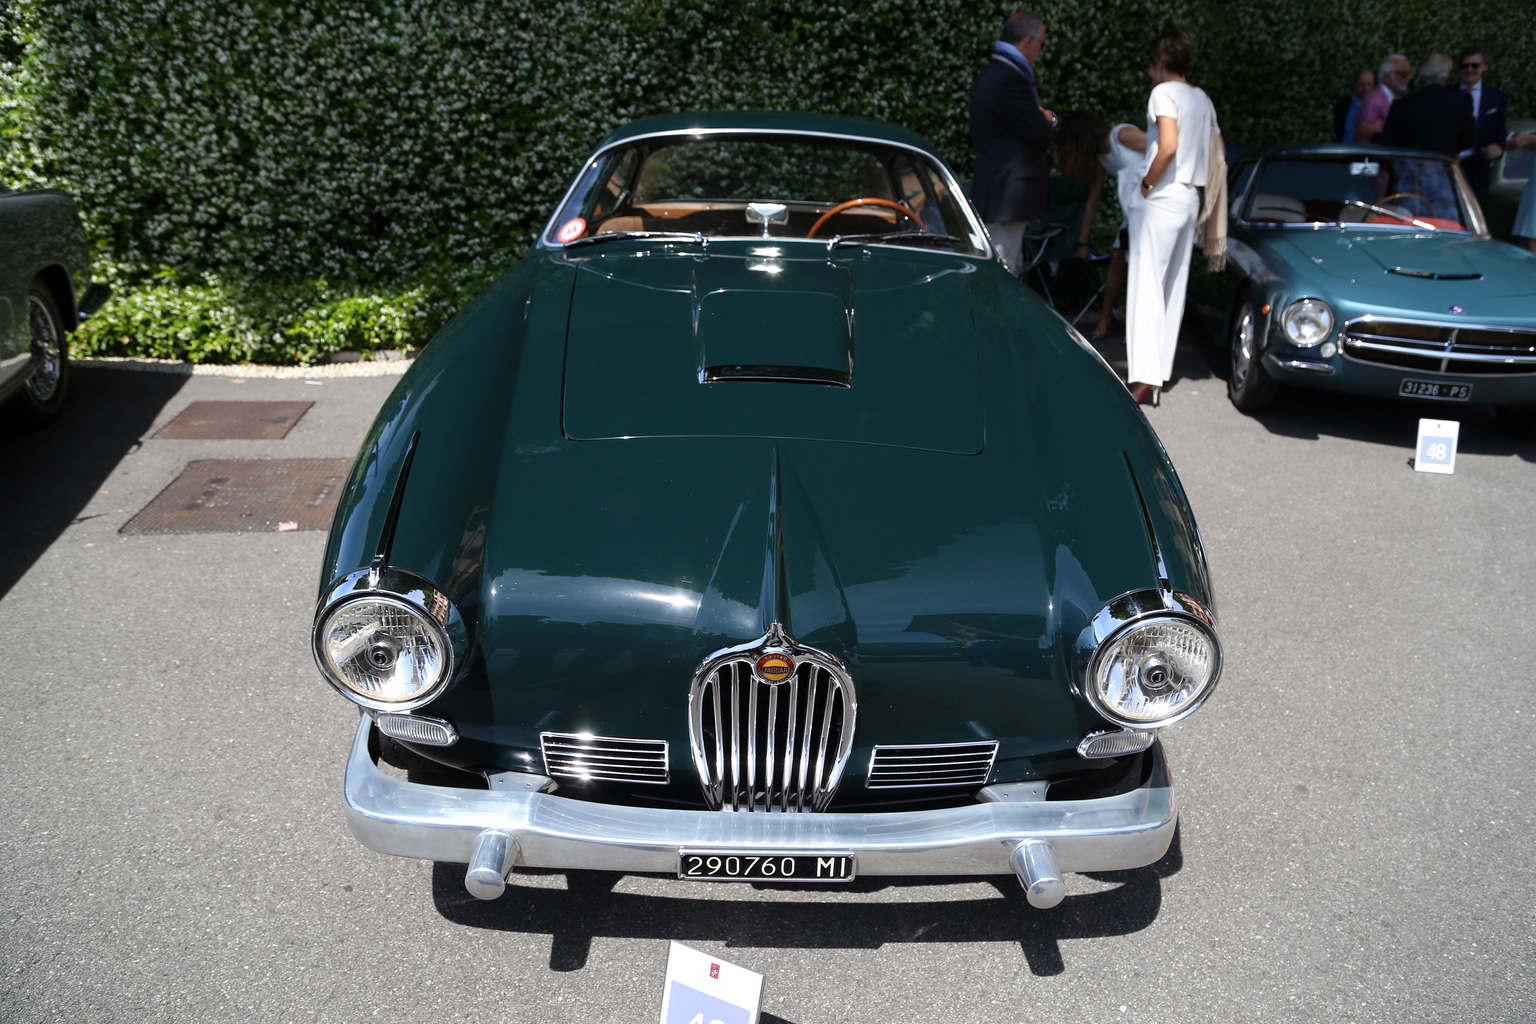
column 1408, row 195
column 890, row 204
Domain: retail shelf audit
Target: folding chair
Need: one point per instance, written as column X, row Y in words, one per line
column 1067, row 281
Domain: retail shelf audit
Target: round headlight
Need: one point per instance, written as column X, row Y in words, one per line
column 1154, row 672
column 1307, row 322
column 383, row 652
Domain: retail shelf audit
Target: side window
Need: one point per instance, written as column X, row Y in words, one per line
column 1238, row 181
column 615, row 189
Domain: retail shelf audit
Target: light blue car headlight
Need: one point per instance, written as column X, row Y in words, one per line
column 1307, row 322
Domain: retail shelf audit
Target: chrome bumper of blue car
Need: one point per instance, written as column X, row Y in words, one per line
column 1013, row 830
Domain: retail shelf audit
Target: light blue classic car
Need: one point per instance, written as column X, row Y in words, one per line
column 1370, row 271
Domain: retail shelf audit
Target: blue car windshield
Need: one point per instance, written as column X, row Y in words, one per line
column 1358, row 189
column 768, row 186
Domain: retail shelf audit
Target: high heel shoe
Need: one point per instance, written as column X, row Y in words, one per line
column 1146, row 394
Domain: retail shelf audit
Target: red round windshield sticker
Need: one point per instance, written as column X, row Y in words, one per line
column 571, row 230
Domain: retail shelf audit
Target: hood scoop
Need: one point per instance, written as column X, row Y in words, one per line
column 1436, row 275
column 833, row 348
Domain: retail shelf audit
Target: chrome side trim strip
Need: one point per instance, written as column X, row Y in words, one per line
column 411, row 819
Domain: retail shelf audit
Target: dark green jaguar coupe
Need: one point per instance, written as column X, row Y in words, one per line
column 759, row 525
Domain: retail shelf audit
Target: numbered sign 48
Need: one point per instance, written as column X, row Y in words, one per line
column 704, row 989
column 1436, row 452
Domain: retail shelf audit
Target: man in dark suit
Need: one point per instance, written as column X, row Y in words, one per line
column 1348, row 107
column 1436, row 118
column 1490, row 109
column 1011, row 132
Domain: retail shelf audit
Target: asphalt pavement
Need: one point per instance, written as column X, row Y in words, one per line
column 1357, row 806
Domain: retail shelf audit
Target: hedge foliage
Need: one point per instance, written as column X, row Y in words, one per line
column 278, row 180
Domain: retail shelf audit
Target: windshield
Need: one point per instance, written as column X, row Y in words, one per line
column 1359, row 189
column 757, row 186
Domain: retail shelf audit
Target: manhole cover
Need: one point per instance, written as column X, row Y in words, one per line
column 234, row 421
column 250, row 496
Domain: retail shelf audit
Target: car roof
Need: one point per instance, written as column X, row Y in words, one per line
column 1335, row 149
column 776, row 121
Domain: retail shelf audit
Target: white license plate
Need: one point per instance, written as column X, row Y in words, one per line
column 1439, row 389
column 718, row 866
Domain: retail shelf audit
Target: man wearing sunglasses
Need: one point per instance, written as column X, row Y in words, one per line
column 1490, row 108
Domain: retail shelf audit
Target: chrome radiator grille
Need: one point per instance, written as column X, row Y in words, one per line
column 585, row 758
column 1465, row 349
column 771, row 745
column 933, row 764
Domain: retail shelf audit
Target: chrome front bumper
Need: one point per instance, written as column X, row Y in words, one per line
column 1014, row 830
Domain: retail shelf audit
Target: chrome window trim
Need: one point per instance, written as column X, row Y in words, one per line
column 978, row 229
column 1127, row 612
column 874, row 755
column 415, row 593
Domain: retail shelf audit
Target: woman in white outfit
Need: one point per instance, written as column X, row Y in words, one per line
column 1180, row 123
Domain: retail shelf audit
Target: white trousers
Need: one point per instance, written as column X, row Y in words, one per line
column 1162, row 240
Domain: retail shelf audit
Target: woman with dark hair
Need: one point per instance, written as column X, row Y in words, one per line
column 1182, row 137
column 1086, row 147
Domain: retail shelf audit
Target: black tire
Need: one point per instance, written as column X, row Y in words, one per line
column 1518, row 420
column 42, row 397
column 1249, row 387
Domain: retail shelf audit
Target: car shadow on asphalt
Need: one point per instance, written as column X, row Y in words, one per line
column 589, row 908
column 48, row 476
column 1309, row 415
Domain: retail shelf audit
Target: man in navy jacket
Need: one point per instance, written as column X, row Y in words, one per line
column 1490, row 107
column 1012, row 133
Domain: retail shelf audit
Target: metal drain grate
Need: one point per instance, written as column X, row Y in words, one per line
column 234, row 421
column 249, row 496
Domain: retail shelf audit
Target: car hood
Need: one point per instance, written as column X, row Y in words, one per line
column 1397, row 269
column 596, row 576
column 831, row 346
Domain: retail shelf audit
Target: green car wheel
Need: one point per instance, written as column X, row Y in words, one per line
column 42, row 398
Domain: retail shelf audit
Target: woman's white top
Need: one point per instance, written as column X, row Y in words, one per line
column 1127, row 166
column 1192, row 109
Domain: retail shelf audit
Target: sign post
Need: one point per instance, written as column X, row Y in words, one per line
column 704, row 989
column 1436, row 451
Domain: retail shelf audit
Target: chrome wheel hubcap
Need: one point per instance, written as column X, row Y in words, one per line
column 1242, row 347
column 44, row 380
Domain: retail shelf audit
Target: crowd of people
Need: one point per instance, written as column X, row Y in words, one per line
column 1468, row 122
column 1170, row 178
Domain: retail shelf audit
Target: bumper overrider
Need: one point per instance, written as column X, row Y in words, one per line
column 1012, row 829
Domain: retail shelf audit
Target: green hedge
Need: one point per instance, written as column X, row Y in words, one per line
column 281, row 180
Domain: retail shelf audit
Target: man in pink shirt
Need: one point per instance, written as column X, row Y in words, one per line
column 1393, row 76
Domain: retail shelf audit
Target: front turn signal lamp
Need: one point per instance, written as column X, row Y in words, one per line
column 1154, row 659
column 385, row 640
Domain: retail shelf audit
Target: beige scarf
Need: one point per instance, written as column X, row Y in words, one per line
column 1211, row 227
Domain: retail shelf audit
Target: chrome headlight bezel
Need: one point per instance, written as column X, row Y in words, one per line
column 1131, row 612
column 406, row 591
column 1301, row 311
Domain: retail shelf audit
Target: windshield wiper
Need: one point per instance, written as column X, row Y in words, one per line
column 609, row 236
column 1386, row 213
column 878, row 236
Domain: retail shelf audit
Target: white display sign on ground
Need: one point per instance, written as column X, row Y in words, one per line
column 704, row 989
column 1436, row 451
